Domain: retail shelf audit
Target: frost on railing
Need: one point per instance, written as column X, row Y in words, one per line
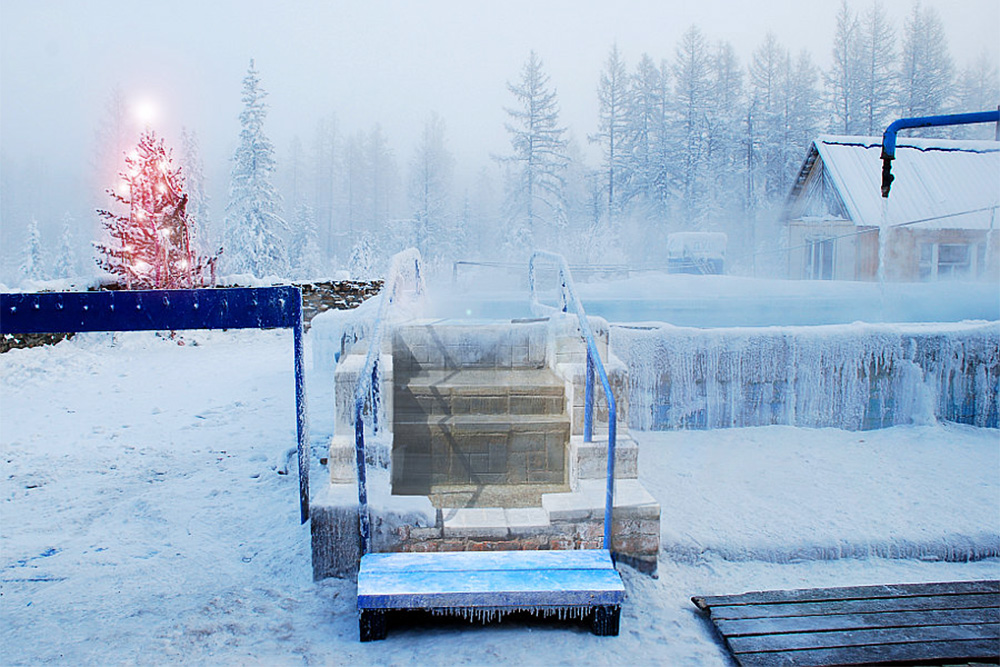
column 858, row 376
column 594, row 366
column 403, row 297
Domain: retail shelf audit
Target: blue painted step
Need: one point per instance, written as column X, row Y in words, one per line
column 575, row 582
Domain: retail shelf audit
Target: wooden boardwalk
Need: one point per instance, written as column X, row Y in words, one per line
column 941, row 623
column 484, row 585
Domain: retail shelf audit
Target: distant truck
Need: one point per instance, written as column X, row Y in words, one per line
column 701, row 253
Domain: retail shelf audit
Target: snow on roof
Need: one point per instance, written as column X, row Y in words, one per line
column 933, row 178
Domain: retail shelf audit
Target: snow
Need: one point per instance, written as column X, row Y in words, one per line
column 143, row 518
column 933, row 178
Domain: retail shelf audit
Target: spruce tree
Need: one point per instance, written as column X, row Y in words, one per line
column 66, row 265
column 925, row 75
column 32, row 260
column 253, row 242
column 194, row 180
column 306, row 259
column 533, row 204
column 612, row 98
column 878, row 48
column 430, row 191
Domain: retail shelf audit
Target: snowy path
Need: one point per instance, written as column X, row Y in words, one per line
column 143, row 518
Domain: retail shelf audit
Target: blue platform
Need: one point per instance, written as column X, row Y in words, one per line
column 482, row 584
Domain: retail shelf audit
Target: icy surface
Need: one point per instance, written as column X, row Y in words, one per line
column 856, row 376
column 144, row 519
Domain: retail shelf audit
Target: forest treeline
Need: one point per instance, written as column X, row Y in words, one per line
column 696, row 140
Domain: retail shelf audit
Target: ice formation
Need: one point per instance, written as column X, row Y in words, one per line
column 857, row 376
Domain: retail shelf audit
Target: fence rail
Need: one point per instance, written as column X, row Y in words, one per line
column 151, row 310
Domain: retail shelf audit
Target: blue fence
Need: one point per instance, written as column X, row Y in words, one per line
column 150, row 310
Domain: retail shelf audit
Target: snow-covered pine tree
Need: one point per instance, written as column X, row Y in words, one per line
column 925, row 75
column 533, row 202
column 150, row 246
column 611, row 135
column 253, row 239
column 32, row 257
column 66, row 265
column 385, row 192
column 768, row 70
column 362, row 260
column 306, row 260
column 692, row 99
column 325, row 169
column 194, row 181
column 430, row 192
column 844, row 80
column 878, row 48
column 724, row 157
column 978, row 90
column 646, row 193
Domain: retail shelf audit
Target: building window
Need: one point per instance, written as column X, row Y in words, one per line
column 944, row 261
column 819, row 259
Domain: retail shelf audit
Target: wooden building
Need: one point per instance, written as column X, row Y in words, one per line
column 939, row 222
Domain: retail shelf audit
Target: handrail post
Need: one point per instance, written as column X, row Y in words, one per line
column 588, row 410
column 364, row 521
column 594, row 366
column 375, row 395
column 609, row 495
column 368, row 387
column 301, row 424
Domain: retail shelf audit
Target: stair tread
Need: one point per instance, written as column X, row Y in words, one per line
column 404, row 418
column 531, row 379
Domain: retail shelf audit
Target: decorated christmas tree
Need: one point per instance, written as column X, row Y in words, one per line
column 150, row 246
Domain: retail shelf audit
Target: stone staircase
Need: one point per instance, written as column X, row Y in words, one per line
column 479, row 437
column 486, row 450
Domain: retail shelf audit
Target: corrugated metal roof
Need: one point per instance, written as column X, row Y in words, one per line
column 934, row 178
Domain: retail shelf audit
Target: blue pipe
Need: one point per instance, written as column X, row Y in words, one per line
column 889, row 137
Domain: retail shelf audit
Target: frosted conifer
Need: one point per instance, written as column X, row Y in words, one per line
column 306, row 260
column 253, row 227
column 534, row 198
column 31, row 257
column 66, row 266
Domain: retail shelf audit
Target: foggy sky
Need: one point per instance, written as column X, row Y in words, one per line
column 367, row 62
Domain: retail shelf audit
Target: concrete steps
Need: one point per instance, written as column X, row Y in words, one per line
column 485, row 449
column 478, row 391
column 458, row 430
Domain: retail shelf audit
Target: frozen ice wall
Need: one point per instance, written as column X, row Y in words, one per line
column 857, row 376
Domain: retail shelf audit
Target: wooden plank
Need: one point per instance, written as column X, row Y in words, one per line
column 879, row 636
column 487, row 560
column 950, row 651
column 898, row 619
column 850, row 593
column 496, row 588
column 971, row 601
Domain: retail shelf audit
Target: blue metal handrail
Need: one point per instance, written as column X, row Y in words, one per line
column 367, row 388
column 570, row 300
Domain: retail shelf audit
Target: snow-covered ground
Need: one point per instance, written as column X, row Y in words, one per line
column 145, row 519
